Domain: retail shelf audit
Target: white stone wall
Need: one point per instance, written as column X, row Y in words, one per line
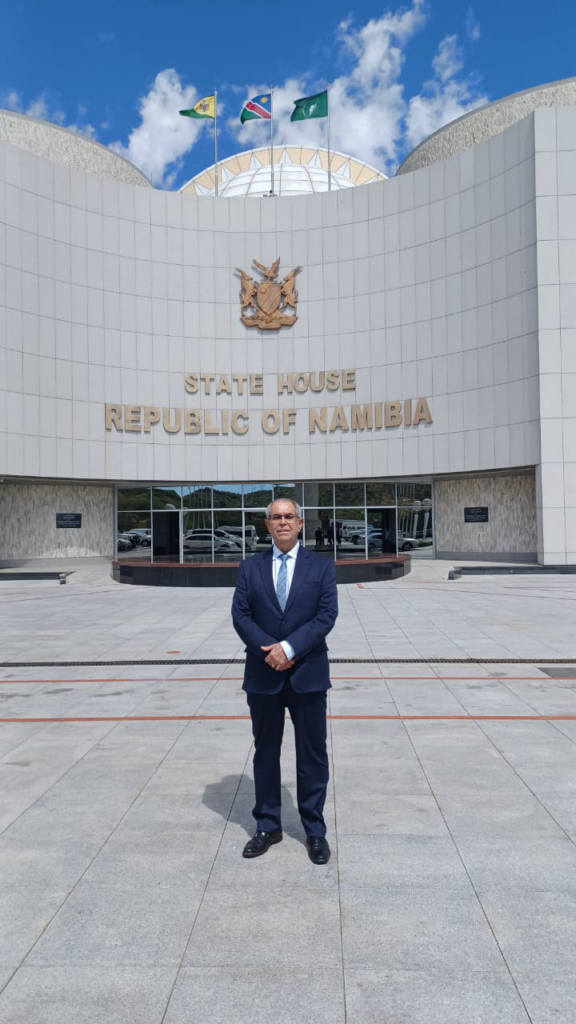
column 425, row 284
column 555, row 133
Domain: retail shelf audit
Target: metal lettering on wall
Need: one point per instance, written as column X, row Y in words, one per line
column 384, row 415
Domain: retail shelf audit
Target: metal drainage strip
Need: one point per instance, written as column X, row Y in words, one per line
column 333, row 661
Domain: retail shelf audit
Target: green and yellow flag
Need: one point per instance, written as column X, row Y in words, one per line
column 310, row 106
column 204, row 108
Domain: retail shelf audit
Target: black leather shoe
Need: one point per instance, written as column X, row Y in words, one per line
column 260, row 843
column 318, row 849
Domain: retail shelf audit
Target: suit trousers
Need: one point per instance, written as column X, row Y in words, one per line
column 308, row 714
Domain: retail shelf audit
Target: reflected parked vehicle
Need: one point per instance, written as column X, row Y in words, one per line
column 124, row 543
column 201, row 541
column 142, row 537
column 407, row 543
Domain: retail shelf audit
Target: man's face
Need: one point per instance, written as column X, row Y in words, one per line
column 284, row 530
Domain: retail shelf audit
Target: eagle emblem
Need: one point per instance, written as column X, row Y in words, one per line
column 270, row 303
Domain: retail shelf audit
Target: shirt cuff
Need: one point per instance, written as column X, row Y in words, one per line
column 288, row 649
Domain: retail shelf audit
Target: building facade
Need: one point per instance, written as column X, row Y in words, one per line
column 410, row 377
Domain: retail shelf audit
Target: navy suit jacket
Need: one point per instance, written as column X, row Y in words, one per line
column 308, row 617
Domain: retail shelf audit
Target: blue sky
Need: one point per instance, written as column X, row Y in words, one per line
column 121, row 71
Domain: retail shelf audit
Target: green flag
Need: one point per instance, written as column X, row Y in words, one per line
column 311, row 106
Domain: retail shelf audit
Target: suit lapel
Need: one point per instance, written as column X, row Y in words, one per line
column 300, row 571
column 268, row 579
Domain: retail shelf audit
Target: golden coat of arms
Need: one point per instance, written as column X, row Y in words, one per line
column 270, row 300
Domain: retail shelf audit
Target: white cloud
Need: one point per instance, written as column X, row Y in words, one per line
column 472, row 26
column 445, row 97
column 448, row 59
column 42, row 108
column 158, row 144
column 367, row 104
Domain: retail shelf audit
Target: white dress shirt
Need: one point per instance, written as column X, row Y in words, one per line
column 290, row 566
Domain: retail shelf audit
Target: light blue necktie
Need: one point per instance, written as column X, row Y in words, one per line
column 282, row 582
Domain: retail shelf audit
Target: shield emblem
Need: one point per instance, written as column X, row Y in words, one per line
column 269, row 295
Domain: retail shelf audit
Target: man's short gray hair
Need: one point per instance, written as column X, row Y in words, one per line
column 297, row 508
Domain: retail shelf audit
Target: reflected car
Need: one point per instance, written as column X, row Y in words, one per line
column 201, row 540
column 140, row 536
column 124, row 543
column 407, row 543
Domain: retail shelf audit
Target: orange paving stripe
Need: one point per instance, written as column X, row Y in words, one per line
column 344, row 718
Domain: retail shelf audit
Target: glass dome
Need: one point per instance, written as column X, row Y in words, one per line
column 298, row 170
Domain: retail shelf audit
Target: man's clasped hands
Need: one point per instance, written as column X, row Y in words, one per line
column 276, row 658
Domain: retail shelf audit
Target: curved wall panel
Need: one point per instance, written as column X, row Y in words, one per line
column 424, row 285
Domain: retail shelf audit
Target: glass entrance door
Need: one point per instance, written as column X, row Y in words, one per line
column 381, row 531
column 166, row 536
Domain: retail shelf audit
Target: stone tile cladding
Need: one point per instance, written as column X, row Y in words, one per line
column 511, row 502
column 28, row 517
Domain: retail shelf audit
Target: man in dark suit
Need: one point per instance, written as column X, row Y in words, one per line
column 285, row 604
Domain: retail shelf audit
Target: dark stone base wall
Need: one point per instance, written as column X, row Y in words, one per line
column 158, row 575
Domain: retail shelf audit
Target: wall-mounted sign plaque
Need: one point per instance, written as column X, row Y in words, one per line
column 476, row 514
column 68, row 520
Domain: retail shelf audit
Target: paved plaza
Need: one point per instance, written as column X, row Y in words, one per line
column 126, row 799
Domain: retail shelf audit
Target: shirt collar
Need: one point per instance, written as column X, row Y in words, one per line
column 293, row 553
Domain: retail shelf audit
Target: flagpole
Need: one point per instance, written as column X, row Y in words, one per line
column 216, row 140
column 328, row 139
column 271, row 142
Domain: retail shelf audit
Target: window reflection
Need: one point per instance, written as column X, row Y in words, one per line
column 228, row 531
column 133, row 541
column 257, row 495
column 411, row 491
column 137, row 498
column 227, row 495
column 197, row 536
column 197, row 497
column 318, row 534
column 349, row 494
column 226, row 522
column 415, row 528
column 256, row 536
column 380, row 493
column 318, row 494
column 166, row 497
column 350, row 532
column 291, row 491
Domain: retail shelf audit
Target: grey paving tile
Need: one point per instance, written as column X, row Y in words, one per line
column 87, row 994
column 225, row 994
column 113, row 927
column 25, row 912
column 393, row 778
column 56, row 863
column 262, row 929
column 361, row 813
column 424, row 997
column 174, row 812
column 155, row 858
column 525, row 862
column 549, row 998
column 414, row 861
column 535, row 930
column 416, row 929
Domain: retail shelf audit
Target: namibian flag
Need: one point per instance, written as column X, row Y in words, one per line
column 258, row 106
